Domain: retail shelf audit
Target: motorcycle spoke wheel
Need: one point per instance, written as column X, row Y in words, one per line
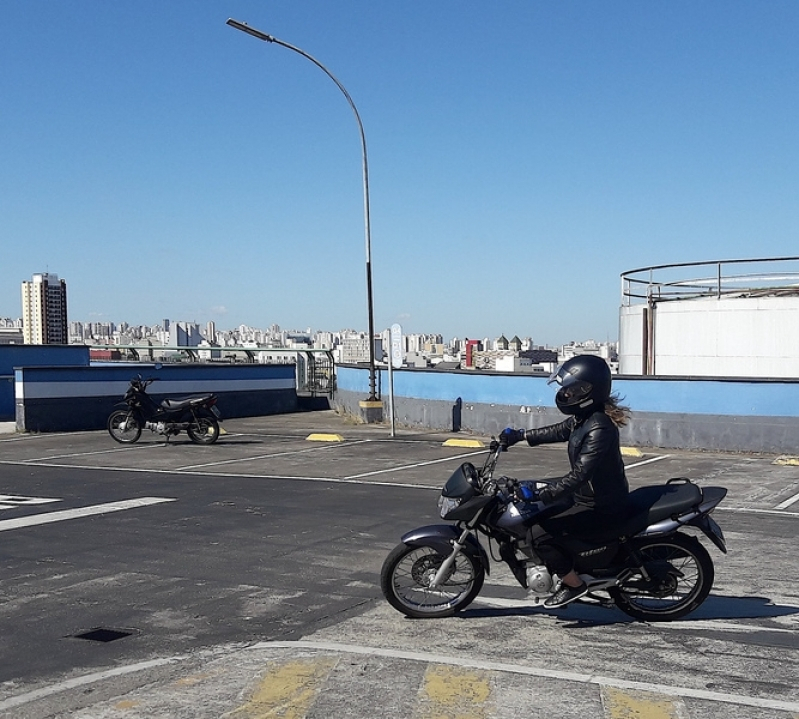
column 680, row 578
column 124, row 427
column 203, row 430
column 408, row 572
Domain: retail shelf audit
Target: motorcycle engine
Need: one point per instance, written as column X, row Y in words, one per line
column 540, row 583
column 159, row 427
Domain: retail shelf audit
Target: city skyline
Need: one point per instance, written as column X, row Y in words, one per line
column 521, row 157
column 98, row 328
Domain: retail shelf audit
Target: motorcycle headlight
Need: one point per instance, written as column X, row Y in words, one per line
column 447, row 504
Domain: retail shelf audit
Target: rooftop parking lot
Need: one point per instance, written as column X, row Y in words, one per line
column 322, row 446
column 230, row 561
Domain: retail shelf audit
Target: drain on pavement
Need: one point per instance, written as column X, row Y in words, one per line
column 104, row 635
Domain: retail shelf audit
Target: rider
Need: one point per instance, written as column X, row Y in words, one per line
column 595, row 491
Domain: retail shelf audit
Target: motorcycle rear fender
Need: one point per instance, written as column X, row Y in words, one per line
column 694, row 519
column 711, row 530
column 441, row 536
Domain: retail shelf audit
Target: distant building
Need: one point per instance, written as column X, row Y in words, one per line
column 10, row 331
column 44, row 310
column 184, row 334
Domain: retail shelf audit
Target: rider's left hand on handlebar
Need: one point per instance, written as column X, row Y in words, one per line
column 509, row 436
column 511, row 486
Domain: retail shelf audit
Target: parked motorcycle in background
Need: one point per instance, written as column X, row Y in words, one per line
column 649, row 567
column 197, row 416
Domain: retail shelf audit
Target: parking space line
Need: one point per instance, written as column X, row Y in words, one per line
column 788, row 502
column 115, row 450
column 242, row 460
column 754, row 510
column 15, row 501
column 413, row 466
column 647, row 461
column 50, row 517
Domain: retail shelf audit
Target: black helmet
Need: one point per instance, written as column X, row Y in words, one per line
column 584, row 384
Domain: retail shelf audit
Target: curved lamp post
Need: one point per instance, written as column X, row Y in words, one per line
column 269, row 38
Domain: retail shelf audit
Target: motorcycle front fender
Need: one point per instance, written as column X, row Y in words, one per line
column 441, row 537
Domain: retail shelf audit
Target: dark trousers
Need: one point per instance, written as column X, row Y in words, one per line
column 577, row 521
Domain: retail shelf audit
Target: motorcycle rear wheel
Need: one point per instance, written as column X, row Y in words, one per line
column 203, row 429
column 406, row 575
column 681, row 576
column 124, row 427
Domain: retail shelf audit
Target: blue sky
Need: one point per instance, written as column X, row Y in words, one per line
column 522, row 155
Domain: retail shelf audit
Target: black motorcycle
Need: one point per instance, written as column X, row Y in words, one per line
column 648, row 566
column 197, row 416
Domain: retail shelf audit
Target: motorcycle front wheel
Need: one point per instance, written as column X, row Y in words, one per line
column 203, row 429
column 408, row 572
column 680, row 578
column 124, row 427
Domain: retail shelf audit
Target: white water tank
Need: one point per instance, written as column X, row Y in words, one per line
column 740, row 318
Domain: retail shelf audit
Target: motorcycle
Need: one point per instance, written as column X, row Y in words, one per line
column 197, row 416
column 647, row 566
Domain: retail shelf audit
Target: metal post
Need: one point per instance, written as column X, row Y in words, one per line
column 367, row 225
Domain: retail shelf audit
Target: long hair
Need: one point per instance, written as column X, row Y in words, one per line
column 618, row 413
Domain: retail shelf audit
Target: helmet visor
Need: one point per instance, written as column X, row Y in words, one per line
column 562, row 376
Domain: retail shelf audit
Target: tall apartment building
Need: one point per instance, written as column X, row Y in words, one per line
column 44, row 310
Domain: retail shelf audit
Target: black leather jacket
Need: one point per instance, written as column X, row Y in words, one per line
column 597, row 476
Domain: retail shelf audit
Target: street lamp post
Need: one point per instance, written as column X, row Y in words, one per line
column 269, row 38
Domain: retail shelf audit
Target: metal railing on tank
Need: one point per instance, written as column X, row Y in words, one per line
column 760, row 277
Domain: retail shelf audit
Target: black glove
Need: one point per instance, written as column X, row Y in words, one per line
column 511, row 486
column 510, row 436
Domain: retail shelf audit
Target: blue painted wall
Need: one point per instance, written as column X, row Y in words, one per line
column 730, row 415
column 739, row 397
column 12, row 356
column 76, row 398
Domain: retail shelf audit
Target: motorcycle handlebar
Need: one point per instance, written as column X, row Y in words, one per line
column 487, row 472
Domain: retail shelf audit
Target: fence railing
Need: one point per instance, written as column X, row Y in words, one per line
column 689, row 280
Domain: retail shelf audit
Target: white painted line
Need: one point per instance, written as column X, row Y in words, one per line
column 788, row 502
column 332, row 480
column 49, row 517
column 243, row 460
column 128, row 448
column 14, row 501
column 414, row 466
column 716, row 625
column 231, row 475
column 739, row 699
column 752, row 510
column 49, row 691
column 646, row 461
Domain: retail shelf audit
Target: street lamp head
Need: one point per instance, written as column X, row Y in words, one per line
column 244, row 27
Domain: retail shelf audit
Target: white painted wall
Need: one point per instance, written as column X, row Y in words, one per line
column 715, row 337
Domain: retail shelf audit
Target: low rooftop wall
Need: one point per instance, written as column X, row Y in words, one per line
column 12, row 356
column 706, row 414
column 50, row 399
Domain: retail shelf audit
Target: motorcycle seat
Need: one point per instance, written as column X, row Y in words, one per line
column 181, row 403
column 656, row 503
column 652, row 504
